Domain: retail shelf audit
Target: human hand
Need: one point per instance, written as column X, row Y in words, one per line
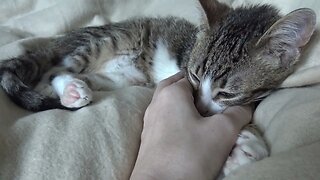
column 177, row 142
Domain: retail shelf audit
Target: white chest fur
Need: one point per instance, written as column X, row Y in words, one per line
column 123, row 71
column 164, row 65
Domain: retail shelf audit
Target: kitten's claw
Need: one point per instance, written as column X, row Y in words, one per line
column 76, row 94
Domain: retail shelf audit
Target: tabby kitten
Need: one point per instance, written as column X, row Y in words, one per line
column 238, row 56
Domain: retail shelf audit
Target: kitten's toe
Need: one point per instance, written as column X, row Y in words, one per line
column 76, row 94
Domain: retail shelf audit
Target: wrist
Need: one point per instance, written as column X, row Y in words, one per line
column 174, row 166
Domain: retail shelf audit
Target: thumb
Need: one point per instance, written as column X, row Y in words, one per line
column 233, row 119
column 239, row 114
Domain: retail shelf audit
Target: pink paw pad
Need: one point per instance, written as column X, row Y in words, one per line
column 76, row 94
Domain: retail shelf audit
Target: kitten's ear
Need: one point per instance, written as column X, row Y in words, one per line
column 213, row 10
column 288, row 34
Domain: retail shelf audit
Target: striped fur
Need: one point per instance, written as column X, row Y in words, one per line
column 238, row 57
column 84, row 52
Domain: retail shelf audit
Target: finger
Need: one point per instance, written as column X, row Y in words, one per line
column 232, row 120
column 241, row 115
column 168, row 81
column 185, row 84
column 183, row 87
column 239, row 112
column 184, row 92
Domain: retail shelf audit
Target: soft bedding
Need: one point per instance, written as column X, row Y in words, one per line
column 101, row 141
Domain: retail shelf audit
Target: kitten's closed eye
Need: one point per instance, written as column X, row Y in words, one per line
column 195, row 77
column 225, row 95
column 258, row 95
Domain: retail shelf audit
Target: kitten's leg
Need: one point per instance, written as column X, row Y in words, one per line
column 73, row 92
column 44, row 87
column 100, row 82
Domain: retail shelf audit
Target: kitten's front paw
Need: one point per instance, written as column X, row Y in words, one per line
column 76, row 94
column 250, row 147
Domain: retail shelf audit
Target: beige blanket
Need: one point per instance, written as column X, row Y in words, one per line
column 101, row 140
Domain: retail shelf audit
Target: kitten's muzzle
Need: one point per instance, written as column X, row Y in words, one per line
column 207, row 107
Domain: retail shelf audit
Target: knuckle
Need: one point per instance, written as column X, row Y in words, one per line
column 166, row 92
column 162, row 83
column 223, row 117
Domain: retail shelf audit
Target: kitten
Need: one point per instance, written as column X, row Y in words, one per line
column 237, row 57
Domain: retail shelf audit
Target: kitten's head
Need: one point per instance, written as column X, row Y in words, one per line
column 243, row 55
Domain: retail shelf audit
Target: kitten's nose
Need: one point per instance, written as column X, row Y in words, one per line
column 204, row 111
column 203, row 108
column 207, row 113
column 208, row 107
